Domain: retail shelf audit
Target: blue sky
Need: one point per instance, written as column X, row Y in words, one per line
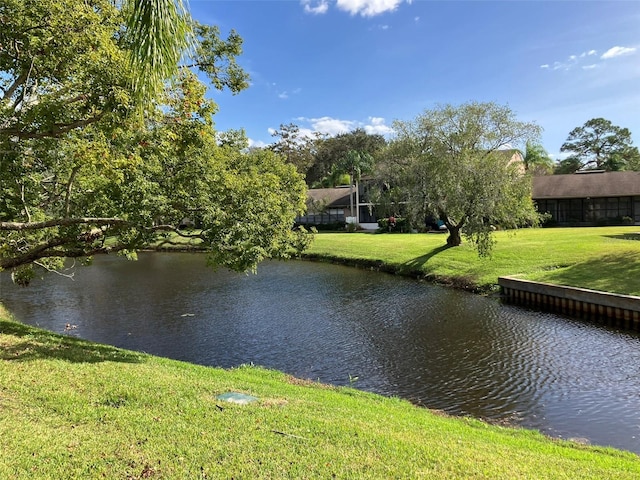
column 336, row 65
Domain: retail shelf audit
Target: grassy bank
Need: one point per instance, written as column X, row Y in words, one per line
column 602, row 258
column 74, row 409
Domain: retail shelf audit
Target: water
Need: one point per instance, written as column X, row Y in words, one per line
column 440, row 348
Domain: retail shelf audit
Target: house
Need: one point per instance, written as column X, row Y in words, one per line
column 592, row 197
column 331, row 206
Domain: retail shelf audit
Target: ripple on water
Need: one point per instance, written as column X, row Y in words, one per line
column 461, row 353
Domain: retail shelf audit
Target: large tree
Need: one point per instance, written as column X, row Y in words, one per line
column 458, row 164
column 298, row 148
column 81, row 175
column 599, row 144
column 332, row 150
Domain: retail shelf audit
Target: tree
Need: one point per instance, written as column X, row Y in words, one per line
column 330, row 150
column 452, row 163
column 297, row 148
column 80, row 175
column 356, row 164
column 599, row 144
column 536, row 160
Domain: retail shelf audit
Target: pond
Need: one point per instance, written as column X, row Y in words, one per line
column 441, row 348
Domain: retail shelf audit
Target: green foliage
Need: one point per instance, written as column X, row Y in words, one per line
column 451, row 163
column 356, row 164
column 297, row 149
column 330, row 151
column 398, row 225
column 80, row 175
column 536, row 160
column 599, row 144
column 158, row 32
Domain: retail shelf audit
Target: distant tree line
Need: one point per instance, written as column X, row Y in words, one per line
column 598, row 144
column 468, row 166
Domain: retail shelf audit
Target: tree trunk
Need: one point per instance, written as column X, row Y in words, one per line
column 454, row 239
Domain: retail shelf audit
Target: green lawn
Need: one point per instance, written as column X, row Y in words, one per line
column 74, row 409
column 601, row 258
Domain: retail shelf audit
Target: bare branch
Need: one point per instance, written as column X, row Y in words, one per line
column 51, row 270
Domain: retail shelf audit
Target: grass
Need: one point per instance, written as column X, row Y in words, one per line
column 74, row 409
column 600, row 258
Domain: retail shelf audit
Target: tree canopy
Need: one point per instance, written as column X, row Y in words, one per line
column 297, row 148
column 599, row 144
column 458, row 164
column 536, row 159
column 81, row 174
column 330, row 152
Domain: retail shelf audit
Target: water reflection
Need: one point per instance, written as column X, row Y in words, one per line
column 441, row 348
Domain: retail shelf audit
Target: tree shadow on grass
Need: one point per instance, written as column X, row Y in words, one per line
column 625, row 236
column 26, row 343
column 416, row 264
column 617, row 273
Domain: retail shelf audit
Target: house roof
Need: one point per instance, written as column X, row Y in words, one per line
column 331, row 197
column 587, row 184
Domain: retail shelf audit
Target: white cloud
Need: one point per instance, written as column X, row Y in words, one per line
column 617, row 52
column 590, row 67
column 283, row 95
column 364, row 8
column 257, row 143
column 331, row 126
column 335, row 126
column 318, row 7
column 377, row 126
column 546, row 65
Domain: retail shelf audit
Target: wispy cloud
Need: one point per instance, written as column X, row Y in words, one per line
column 571, row 61
column 580, row 60
column 618, row 52
column 315, row 7
column 285, row 94
column 364, row 8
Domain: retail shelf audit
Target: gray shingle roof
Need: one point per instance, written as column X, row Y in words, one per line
column 587, row 184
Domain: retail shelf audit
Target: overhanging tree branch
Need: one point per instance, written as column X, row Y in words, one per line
column 60, row 222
